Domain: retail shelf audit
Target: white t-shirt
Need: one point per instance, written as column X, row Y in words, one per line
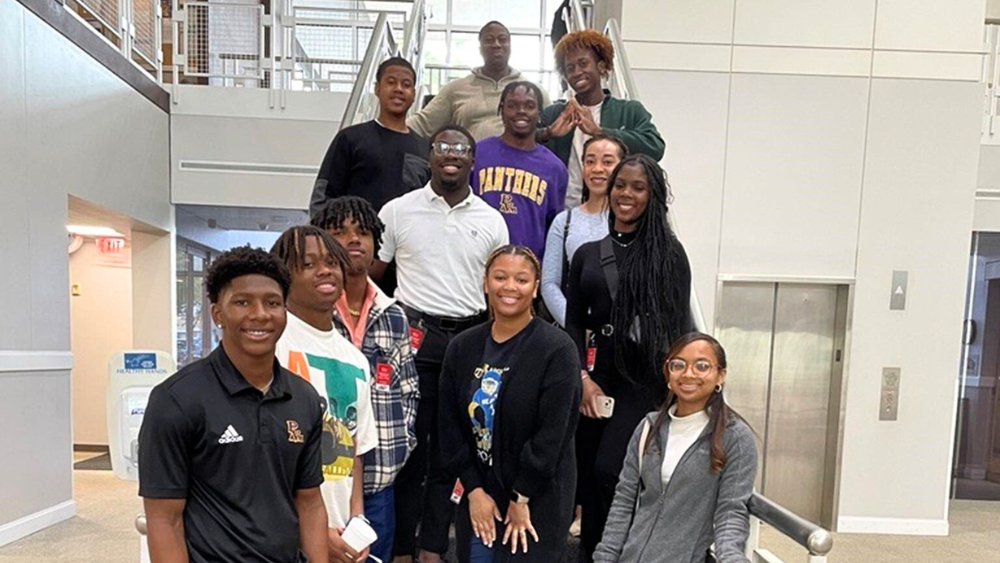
column 574, row 189
column 682, row 433
column 340, row 374
column 440, row 250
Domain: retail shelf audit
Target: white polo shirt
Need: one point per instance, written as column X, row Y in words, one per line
column 440, row 250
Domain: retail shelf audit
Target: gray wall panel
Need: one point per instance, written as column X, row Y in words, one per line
column 37, row 469
column 13, row 183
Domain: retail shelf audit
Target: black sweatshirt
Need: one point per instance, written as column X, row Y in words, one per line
column 589, row 305
column 533, row 451
column 372, row 162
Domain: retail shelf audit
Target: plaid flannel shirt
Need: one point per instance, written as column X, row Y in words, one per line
column 387, row 339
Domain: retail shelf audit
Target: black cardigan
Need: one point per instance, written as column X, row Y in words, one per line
column 533, row 445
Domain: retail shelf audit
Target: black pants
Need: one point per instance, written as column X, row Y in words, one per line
column 601, row 445
column 423, row 490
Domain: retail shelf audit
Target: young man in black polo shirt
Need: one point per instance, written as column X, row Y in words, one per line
column 230, row 445
column 380, row 159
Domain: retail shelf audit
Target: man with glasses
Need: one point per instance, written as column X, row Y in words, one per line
column 472, row 101
column 440, row 237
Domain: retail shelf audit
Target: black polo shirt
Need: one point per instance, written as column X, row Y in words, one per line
column 236, row 455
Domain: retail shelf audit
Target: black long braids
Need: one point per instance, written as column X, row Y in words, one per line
column 648, row 313
column 336, row 211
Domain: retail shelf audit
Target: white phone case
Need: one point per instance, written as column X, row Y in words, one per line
column 605, row 406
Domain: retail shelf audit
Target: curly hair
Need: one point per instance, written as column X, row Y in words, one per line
column 586, row 39
column 244, row 261
column 336, row 211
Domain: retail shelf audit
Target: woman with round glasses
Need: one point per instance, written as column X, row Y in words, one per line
column 509, row 400
column 628, row 299
column 689, row 471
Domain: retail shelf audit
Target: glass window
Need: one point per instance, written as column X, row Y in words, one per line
column 516, row 13
column 436, row 46
column 470, row 12
column 181, row 260
column 197, row 263
column 465, row 50
column 524, row 52
column 439, row 11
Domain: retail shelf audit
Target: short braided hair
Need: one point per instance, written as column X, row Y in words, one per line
column 336, row 212
column 290, row 248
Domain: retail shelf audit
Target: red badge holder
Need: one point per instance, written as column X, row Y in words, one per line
column 416, row 337
column 383, row 374
column 457, row 492
column 591, row 353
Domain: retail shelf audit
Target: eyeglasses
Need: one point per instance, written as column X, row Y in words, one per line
column 678, row 366
column 442, row 148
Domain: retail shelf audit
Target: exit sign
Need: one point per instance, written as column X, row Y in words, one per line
column 111, row 245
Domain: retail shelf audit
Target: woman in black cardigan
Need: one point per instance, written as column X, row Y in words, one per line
column 622, row 327
column 508, row 406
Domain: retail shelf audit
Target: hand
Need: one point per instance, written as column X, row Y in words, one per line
column 565, row 122
column 592, row 392
column 585, row 121
column 338, row 549
column 518, row 523
column 483, row 511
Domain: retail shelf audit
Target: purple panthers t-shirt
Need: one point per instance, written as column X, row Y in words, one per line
column 527, row 187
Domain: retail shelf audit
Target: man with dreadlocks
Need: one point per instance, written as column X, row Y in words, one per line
column 584, row 58
column 311, row 348
column 515, row 175
column 376, row 324
column 631, row 290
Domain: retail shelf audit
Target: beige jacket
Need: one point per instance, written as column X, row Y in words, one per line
column 471, row 102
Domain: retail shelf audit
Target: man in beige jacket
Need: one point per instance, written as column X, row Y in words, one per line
column 473, row 101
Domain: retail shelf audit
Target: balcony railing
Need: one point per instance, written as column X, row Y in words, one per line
column 131, row 26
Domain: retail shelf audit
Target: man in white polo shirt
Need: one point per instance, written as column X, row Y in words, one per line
column 440, row 237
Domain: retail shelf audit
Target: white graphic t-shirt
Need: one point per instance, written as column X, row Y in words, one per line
column 340, row 374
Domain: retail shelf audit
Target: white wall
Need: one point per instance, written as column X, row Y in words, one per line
column 834, row 144
column 237, row 127
column 67, row 125
column 101, row 325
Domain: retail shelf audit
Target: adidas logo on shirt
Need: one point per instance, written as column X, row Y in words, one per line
column 230, row 436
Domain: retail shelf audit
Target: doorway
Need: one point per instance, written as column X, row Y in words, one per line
column 785, row 345
column 977, row 461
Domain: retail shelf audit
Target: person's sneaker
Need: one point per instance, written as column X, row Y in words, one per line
column 574, row 528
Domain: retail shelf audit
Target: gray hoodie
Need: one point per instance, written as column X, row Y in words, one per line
column 471, row 102
column 698, row 507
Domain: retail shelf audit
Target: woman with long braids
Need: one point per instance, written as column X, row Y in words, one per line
column 689, row 471
column 628, row 299
column 507, row 407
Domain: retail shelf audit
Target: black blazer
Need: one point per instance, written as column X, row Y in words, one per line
column 533, row 446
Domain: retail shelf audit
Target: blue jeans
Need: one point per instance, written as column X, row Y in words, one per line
column 380, row 510
column 479, row 552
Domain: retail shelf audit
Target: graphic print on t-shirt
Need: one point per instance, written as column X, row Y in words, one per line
column 512, row 180
column 482, row 409
column 340, row 407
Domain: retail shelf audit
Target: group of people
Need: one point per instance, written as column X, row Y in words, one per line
column 486, row 325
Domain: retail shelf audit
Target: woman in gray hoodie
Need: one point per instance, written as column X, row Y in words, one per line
column 689, row 470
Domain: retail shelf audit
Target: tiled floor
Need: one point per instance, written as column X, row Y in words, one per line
column 103, row 531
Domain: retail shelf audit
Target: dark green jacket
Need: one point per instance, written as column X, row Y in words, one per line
column 626, row 119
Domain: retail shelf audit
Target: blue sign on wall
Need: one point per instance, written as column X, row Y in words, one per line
column 140, row 361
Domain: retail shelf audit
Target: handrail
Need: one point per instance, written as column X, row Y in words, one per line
column 814, row 538
column 381, row 34
column 576, row 20
column 623, row 79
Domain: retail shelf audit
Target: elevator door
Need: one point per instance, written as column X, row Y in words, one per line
column 784, row 345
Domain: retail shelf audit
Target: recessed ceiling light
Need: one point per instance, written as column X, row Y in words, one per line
column 93, row 231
